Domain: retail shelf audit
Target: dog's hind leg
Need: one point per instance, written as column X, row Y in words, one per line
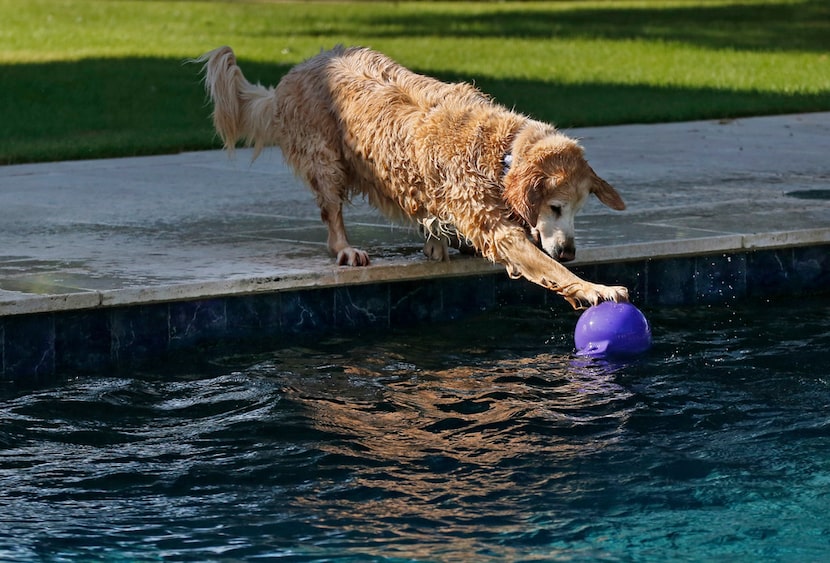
column 338, row 242
column 331, row 212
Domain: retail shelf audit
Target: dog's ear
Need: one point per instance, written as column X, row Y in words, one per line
column 524, row 193
column 606, row 193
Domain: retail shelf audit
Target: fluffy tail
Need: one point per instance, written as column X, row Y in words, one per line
column 241, row 110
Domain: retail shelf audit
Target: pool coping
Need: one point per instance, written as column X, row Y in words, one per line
column 58, row 343
column 334, row 276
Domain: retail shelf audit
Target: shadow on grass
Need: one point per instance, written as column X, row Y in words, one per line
column 778, row 26
column 126, row 107
column 100, row 108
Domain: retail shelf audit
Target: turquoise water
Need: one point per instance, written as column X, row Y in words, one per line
column 484, row 440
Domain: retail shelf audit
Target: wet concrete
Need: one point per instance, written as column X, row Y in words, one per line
column 88, row 234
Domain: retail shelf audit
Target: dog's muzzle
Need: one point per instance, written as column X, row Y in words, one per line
column 561, row 252
column 565, row 253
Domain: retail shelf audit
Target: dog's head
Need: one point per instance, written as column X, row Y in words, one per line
column 547, row 183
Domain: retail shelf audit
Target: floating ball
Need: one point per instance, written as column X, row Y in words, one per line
column 612, row 329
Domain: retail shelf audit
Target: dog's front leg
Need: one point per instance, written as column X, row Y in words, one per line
column 436, row 245
column 576, row 291
column 523, row 259
column 583, row 293
column 437, row 249
column 440, row 237
column 338, row 242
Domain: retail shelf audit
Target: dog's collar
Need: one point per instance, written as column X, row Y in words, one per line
column 506, row 162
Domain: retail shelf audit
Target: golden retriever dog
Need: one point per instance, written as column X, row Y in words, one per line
column 470, row 172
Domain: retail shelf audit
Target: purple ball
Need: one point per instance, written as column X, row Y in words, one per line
column 612, row 329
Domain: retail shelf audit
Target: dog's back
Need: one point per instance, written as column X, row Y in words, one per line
column 395, row 129
column 355, row 72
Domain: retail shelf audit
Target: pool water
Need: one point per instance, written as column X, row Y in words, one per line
column 482, row 440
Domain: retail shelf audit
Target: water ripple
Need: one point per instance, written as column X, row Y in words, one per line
column 433, row 447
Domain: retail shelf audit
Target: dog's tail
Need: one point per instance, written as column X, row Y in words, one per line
column 241, row 110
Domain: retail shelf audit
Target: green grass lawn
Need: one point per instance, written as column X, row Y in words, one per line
column 96, row 78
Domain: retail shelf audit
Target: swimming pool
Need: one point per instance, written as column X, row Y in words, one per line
column 470, row 441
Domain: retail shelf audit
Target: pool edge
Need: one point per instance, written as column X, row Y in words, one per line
column 107, row 332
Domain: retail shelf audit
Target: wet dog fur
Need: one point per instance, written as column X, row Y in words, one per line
column 471, row 172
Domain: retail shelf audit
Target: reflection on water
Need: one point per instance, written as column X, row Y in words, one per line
column 483, row 440
column 461, row 449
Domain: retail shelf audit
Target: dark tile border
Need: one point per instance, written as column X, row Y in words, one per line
column 29, row 346
column 35, row 347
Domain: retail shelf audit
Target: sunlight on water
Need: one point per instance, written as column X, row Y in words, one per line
column 482, row 440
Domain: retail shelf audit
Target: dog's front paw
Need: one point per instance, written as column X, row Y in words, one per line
column 586, row 294
column 352, row 257
column 436, row 249
column 615, row 293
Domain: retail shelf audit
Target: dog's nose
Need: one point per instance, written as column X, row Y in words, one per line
column 565, row 253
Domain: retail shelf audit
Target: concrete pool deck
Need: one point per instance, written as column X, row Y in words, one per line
column 116, row 233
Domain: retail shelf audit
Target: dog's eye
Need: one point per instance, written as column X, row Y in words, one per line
column 557, row 210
